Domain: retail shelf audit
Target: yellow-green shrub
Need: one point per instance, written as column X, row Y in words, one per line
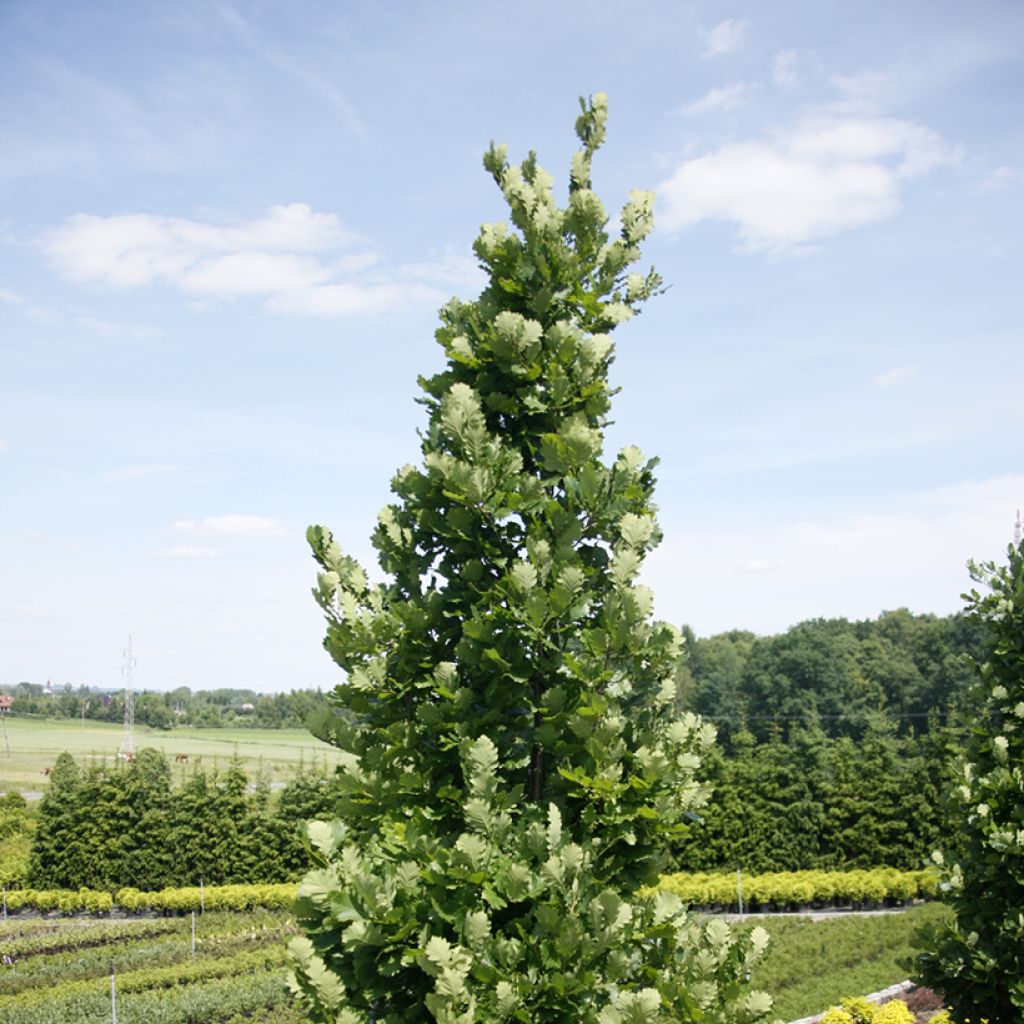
column 895, row 1012
column 836, row 1016
column 800, row 887
column 860, row 1011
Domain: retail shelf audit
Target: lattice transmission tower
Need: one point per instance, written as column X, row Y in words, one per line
column 128, row 671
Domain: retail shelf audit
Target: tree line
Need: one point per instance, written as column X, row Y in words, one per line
column 178, row 707
column 834, row 675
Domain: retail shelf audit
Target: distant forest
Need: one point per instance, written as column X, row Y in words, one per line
column 834, row 675
column 913, row 671
column 179, row 707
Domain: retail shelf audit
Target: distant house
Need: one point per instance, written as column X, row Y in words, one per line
column 6, row 700
column 247, row 707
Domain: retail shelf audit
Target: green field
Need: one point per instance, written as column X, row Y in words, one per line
column 35, row 744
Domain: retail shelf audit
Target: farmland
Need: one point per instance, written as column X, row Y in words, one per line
column 35, row 744
column 60, row 970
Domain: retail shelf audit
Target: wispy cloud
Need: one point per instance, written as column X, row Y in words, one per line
column 189, row 551
column 725, row 37
column 723, row 97
column 49, row 317
column 784, row 72
column 298, row 67
column 865, row 90
column 142, row 471
column 230, row 525
column 895, row 376
column 830, row 171
column 758, row 565
column 295, row 259
column 1000, row 179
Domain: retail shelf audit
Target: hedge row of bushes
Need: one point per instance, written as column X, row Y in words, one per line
column 212, row 897
column 702, row 889
column 802, row 888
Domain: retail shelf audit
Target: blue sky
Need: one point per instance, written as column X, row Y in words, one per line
column 225, row 231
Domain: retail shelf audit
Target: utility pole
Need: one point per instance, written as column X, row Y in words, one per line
column 128, row 671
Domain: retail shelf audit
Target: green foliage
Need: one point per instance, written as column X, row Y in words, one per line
column 17, row 825
column 814, row 802
column 513, row 762
column 835, row 675
column 977, row 962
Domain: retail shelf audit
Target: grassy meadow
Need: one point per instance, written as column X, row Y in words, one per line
column 35, row 744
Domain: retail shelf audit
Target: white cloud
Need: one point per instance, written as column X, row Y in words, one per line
column 142, row 471
column 451, row 270
column 829, row 172
column 758, row 565
column 230, row 525
column 725, row 37
column 784, row 73
column 865, row 90
column 894, row 376
column 1001, row 178
column 189, row 551
column 911, row 551
column 54, row 318
column 723, row 97
column 291, row 258
column 348, row 299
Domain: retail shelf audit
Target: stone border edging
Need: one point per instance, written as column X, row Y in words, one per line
column 876, row 997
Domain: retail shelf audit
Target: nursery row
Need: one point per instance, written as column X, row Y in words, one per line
column 133, row 950
column 793, row 889
column 61, row 971
column 775, row 890
column 211, row 897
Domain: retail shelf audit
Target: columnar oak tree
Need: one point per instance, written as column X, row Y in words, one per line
column 977, row 962
column 513, row 759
